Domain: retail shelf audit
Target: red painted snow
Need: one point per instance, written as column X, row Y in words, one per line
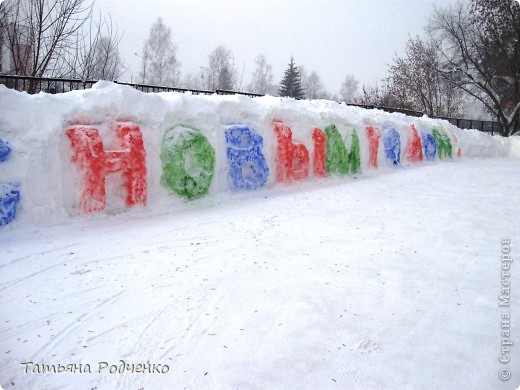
column 414, row 146
column 319, row 164
column 292, row 158
column 373, row 134
column 94, row 164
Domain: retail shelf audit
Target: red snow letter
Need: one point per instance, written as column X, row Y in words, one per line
column 320, row 169
column 292, row 158
column 373, row 134
column 94, row 163
column 414, row 147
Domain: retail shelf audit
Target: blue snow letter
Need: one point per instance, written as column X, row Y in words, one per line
column 9, row 200
column 392, row 144
column 247, row 165
column 4, row 150
column 430, row 146
column 9, row 193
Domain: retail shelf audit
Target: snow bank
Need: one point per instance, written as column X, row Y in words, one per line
column 109, row 148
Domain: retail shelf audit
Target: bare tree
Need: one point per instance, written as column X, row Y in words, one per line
column 262, row 77
column 375, row 95
column 303, row 75
column 191, row 81
column 416, row 84
column 222, row 72
column 108, row 64
column 481, row 54
column 59, row 39
column 40, row 34
column 349, row 89
column 159, row 60
column 313, row 87
column 97, row 52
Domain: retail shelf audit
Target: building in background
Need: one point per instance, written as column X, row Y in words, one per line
column 15, row 45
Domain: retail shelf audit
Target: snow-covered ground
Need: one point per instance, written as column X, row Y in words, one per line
column 384, row 281
column 387, row 279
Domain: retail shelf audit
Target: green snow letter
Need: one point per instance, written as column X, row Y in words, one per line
column 339, row 159
column 443, row 143
column 188, row 162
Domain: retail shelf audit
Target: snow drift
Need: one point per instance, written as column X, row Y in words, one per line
column 111, row 148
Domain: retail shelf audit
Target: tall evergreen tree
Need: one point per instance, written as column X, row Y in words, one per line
column 225, row 80
column 291, row 84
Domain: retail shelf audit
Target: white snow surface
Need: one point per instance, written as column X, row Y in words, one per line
column 389, row 279
column 388, row 282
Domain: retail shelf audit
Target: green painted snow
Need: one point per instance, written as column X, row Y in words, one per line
column 339, row 158
column 188, row 162
column 444, row 148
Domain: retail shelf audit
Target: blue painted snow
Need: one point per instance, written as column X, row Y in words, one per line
column 9, row 201
column 429, row 145
column 247, row 165
column 5, row 150
column 392, row 144
column 9, row 193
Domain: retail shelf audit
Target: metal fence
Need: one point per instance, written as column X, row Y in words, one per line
column 389, row 109
column 44, row 84
column 491, row 127
column 485, row 126
column 57, row 85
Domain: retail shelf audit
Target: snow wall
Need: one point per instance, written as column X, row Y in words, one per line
column 111, row 148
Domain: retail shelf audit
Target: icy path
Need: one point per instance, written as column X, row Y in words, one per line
column 382, row 282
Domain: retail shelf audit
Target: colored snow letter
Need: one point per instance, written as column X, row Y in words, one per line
column 9, row 194
column 319, row 161
column 413, row 147
column 430, row 146
column 339, row 159
column 443, row 143
column 373, row 134
column 94, row 163
column 392, row 144
column 247, row 165
column 292, row 158
column 9, row 200
column 5, row 150
column 188, row 162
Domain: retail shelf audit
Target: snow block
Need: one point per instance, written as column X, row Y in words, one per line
column 339, row 159
column 9, row 201
column 188, row 162
column 292, row 158
column 94, row 164
column 373, row 134
column 5, row 150
column 319, row 164
column 414, row 147
column 247, row 165
column 429, row 145
column 443, row 143
column 392, row 144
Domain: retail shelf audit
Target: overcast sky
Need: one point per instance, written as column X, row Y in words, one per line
column 333, row 37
